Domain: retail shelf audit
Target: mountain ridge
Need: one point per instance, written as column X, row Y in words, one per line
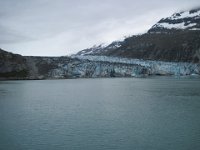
column 175, row 38
column 184, row 20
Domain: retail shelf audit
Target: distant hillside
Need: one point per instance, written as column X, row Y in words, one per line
column 95, row 50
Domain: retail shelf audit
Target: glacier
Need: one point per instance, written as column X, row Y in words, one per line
column 84, row 68
column 153, row 67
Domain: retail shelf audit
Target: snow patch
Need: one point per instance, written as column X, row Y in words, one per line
column 175, row 26
column 186, row 14
column 195, row 29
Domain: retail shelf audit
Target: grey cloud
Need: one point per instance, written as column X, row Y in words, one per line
column 63, row 26
column 9, row 36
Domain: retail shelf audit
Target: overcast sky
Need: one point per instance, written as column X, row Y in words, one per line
column 63, row 27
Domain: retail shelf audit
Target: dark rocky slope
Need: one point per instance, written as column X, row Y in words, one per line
column 179, row 46
column 12, row 65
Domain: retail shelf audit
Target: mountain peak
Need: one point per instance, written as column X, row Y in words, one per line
column 185, row 20
column 99, row 49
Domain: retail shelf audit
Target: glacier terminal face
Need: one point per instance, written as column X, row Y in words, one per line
column 153, row 67
column 85, row 68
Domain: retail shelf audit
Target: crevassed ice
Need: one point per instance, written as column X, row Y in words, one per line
column 175, row 68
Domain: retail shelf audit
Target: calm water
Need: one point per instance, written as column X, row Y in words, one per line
column 100, row 114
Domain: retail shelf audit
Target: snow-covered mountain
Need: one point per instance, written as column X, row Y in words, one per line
column 100, row 49
column 92, row 51
column 186, row 20
column 173, row 39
